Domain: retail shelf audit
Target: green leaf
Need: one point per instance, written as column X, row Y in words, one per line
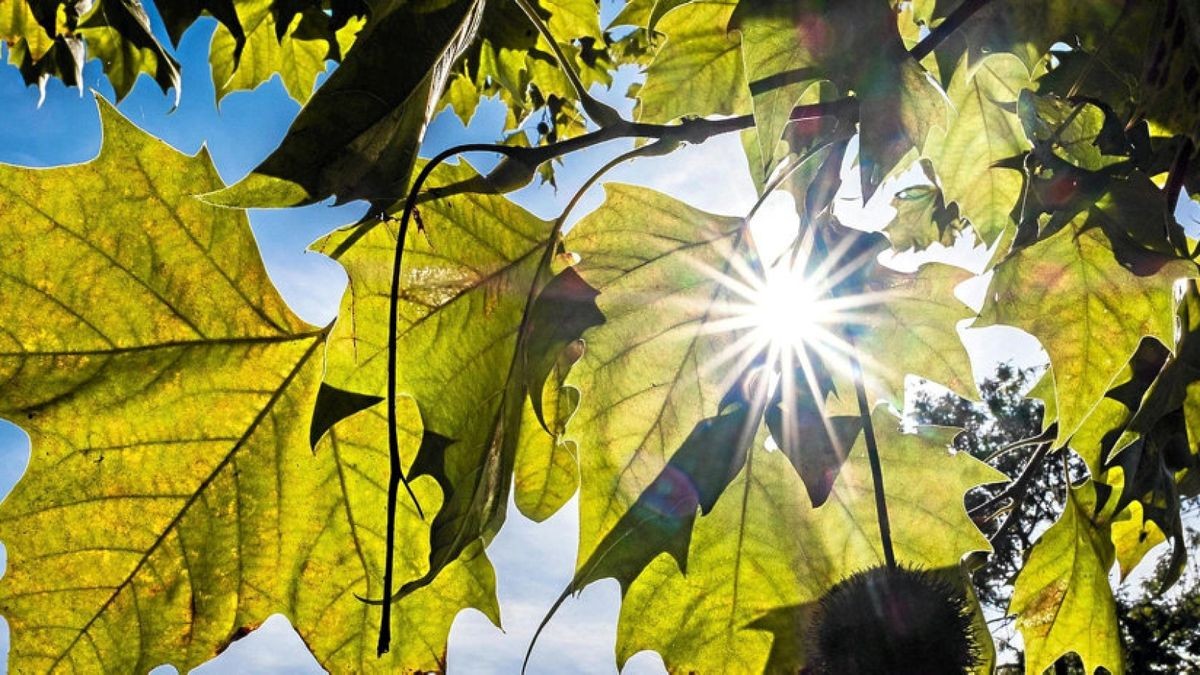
column 547, row 465
column 1155, row 447
column 763, row 551
column 571, row 20
column 779, row 65
column 1074, row 132
column 922, row 219
column 897, row 112
column 654, row 370
column 661, row 519
column 1107, row 430
column 1133, row 536
column 651, row 370
column 178, row 16
column 1028, row 28
column 1062, row 597
column 357, row 138
column 644, row 13
column 1044, row 392
column 118, row 33
column 698, row 69
column 64, row 61
column 18, row 23
column 814, row 441
column 563, row 310
column 546, row 474
column 634, row 13
column 348, row 561
column 1088, row 304
column 509, row 59
column 984, row 132
column 245, row 58
column 468, row 353
column 788, row 46
column 334, row 405
column 172, row 501
column 919, row 321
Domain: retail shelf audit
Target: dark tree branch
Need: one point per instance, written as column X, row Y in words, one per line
column 946, row 28
column 1047, row 435
column 1015, row 492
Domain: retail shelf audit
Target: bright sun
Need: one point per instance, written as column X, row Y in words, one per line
column 791, row 307
column 786, row 311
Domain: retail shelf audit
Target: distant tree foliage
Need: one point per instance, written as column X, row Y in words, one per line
column 1159, row 632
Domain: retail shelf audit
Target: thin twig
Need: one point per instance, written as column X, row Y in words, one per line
column 1046, row 435
column 1017, row 488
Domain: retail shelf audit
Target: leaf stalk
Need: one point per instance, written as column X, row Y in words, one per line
column 864, row 411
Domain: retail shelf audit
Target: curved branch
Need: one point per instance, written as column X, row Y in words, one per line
column 395, row 468
column 1047, row 435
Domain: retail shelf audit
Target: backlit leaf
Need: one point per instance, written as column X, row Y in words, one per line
column 297, row 51
column 118, row 33
column 1062, row 597
column 1088, row 306
column 172, row 501
column 698, row 69
column 765, row 552
column 654, row 370
column 985, row 131
column 465, row 345
column 788, row 46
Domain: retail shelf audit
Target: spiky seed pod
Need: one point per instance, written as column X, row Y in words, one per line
column 892, row 621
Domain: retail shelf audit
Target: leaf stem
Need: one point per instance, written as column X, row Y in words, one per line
column 395, row 469
column 864, row 411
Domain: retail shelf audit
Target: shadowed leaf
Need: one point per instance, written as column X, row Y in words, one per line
column 358, row 137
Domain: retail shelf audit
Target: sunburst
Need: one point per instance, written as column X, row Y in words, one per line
column 795, row 318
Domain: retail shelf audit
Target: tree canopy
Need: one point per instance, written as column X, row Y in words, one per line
column 728, row 415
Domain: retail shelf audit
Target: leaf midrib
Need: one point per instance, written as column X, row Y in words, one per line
column 169, row 344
